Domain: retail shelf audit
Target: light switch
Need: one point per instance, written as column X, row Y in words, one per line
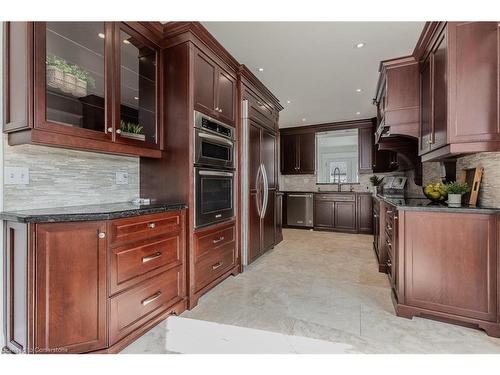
column 121, row 178
column 16, row 176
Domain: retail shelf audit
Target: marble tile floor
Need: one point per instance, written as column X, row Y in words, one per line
column 322, row 286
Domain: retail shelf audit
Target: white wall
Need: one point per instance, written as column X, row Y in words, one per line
column 2, row 338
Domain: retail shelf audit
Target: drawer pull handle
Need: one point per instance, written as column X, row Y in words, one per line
column 151, row 257
column 389, row 211
column 388, row 243
column 152, row 225
column 389, row 264
column 151, row 299
column 217, row 240
column 217, row 265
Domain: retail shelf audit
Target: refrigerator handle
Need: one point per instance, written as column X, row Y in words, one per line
column 266, row 191
column 259, row 192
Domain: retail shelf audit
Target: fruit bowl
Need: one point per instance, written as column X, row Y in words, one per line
column 435, row 193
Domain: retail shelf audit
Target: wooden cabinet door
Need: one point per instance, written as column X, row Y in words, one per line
column 278, row 235
column 425, row 106
column 344, row 216
column 439, row 122
column 366, row 140
column 70, row 291
column 449, row 270
column 323, row 214
column 269, row 157
column 477, row 65
column 307, row 153
column 226, row 97
column 205, row 82
column 288, row 150
column 364, row 213
column 376, row 226
column 255, row 193
column 269, row 222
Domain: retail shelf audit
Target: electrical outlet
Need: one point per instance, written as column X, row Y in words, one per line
column 121, row 178
column 16, row 176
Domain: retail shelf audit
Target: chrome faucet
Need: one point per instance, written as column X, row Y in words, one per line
column 336, row 172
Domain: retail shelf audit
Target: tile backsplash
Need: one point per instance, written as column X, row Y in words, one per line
column 60, row 177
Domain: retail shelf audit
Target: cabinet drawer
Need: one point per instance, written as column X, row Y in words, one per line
column 205, row 241
column 133, row 308
column 336, row 197
column 214, row 265
column 144, row 227
column 131, row 264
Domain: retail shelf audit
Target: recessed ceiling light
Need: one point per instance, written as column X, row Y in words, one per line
column 136, row 97
column 126, row 41
column 101, row 35
column 304, row 119
column 288, row 101
column 261, row 69
column 360, row 45
column 359, row 90
column 358, row 113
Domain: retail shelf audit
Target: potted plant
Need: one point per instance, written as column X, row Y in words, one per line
column 455, row 191
column 376, row 181
column 54, row 72
column 69, row 81
column 83, row 82
column 131, row 130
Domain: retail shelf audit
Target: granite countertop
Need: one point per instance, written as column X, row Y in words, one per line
column 424, row 204
column 89, row 212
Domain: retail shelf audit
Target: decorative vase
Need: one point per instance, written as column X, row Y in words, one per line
column 55, row 76
column 80, row 88
column 454, row 200
column 69, row 83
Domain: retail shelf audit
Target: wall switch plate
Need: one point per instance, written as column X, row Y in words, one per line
column 121, row 178
column 16, row 176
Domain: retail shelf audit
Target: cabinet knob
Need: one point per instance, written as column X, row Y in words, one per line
column 151, row 225
column 220, row 110
column 118, row 131
column 110, row 130
column 217, row 109
column 102, row 235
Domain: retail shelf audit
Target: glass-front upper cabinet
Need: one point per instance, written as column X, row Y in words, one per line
column 72, row 91
column 138, row 89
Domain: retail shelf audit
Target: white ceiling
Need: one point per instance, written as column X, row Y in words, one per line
column 316, row 65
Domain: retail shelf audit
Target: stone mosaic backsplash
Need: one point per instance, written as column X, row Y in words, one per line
column 489, row 194
column 60, row 177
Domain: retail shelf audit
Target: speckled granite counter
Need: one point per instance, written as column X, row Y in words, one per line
column 424, row 204
column 89, row 212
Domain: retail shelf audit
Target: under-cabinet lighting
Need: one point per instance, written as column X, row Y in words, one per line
column 358, row 113
column 136, row 97
column 288, row 101
column 359, row 90
column 261, row 69
column 360, row 45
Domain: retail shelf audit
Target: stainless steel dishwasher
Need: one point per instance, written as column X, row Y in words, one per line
column 299, row 209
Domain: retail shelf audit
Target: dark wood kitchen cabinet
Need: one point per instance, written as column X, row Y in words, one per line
column 366, row 142
column 93, row 86
column 70, row 287
column 62, row 277
column 364, row 212
column 298, row 153
column 214, row 88
column 343, row 212
column 444, row 273
column 459, row 65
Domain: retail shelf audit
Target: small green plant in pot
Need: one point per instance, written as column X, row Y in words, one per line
column 131, row 130
column 455, row 191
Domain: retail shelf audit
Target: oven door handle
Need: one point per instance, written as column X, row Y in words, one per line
column 216, row 173
column 266, row 191
column 216, row 138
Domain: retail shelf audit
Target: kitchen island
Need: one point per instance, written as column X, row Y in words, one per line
column 442, row 262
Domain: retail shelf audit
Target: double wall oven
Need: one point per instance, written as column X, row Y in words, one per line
column 214, row 170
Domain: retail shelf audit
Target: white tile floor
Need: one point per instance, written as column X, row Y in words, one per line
column 323, row 286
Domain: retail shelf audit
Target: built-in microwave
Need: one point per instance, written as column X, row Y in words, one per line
column 214, row 196
column 214, row 142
